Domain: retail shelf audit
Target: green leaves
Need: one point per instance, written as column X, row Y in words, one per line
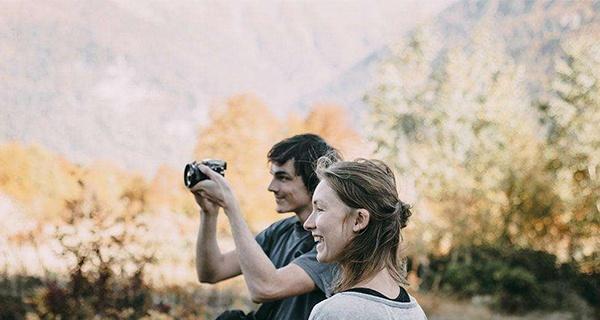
column 459, row 126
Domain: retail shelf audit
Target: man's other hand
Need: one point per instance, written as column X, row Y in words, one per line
column 208, row 206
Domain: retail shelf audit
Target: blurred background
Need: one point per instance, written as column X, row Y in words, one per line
column 488, row 111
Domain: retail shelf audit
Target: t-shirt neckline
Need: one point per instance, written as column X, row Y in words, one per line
column 402, row 295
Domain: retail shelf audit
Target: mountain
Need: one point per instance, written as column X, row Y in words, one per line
column 530, row 30
column 131, row 81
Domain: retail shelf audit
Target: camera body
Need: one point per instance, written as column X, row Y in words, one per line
column 192, row 175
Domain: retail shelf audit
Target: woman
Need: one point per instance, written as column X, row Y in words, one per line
column 356, row 222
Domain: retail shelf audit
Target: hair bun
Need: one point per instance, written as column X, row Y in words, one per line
column 403, row 213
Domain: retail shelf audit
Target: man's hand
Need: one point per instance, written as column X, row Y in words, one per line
column 208, row 207
column 216, row 190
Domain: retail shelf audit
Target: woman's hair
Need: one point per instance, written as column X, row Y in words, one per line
column 368, row 184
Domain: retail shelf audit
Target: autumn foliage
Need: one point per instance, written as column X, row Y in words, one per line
column 97, row 240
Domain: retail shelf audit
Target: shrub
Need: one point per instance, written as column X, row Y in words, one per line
column 518, row 290
column 518, row 280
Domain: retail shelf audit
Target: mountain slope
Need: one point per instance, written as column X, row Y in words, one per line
column 531, row 31
column 131, row 81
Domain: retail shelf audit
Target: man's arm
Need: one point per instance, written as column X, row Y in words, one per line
column 213, row 266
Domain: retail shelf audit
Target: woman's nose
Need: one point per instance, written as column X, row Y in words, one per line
column 309, row 224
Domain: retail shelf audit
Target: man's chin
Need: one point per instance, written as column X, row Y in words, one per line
column 282, row 210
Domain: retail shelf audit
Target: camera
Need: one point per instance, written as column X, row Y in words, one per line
column 193, row 175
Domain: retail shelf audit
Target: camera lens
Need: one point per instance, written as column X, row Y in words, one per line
column 191, row 175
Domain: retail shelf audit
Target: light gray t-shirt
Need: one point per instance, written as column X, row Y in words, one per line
column 361, row 306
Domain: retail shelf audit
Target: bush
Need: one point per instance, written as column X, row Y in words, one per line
column 11, row 307
column 518, row 280
column 518, row 290
column 587, row 286
column 106, row 260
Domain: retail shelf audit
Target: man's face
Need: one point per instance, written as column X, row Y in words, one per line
column 289, row 190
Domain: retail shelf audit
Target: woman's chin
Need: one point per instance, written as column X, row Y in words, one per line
column 321, row 257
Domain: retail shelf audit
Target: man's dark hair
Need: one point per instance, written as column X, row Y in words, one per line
column 305, row 149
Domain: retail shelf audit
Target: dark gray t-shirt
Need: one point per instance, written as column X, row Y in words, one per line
column 286, row 242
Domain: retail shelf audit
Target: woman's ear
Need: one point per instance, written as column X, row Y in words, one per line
column 361, row 221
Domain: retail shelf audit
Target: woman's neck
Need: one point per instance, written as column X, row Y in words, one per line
column 382, row 282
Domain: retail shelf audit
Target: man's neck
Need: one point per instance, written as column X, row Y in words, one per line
column 304, row 213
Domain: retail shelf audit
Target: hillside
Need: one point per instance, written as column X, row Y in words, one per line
column 530, row 30
column 131, row 81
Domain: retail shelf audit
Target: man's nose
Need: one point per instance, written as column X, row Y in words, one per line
column 273, row 186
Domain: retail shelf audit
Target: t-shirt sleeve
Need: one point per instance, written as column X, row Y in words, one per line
column 320, row 273
column 264, row 239
column 322, row 311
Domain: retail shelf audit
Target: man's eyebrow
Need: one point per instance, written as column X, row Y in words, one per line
column 280, row 173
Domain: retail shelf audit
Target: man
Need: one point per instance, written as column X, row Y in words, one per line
column 279, row 265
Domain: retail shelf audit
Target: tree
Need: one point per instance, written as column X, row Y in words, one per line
column 398, row 103
column 241, row 132
column 458, row 124
column 572, row 114
column 332, row 123
column 167, row 192
column 36, row 178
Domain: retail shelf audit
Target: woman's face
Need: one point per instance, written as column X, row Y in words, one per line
column 330, row 223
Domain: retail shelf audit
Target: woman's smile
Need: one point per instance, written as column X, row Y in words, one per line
column 328, row 223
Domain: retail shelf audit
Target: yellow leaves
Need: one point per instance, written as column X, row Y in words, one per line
column 167, row 193
column 243, row 130
column 332, row 122
column 43, row 183
column 36, row 178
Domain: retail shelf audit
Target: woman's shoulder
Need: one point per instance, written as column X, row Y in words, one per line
column 336, row 307
column 340, row 300
column 354, row 305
